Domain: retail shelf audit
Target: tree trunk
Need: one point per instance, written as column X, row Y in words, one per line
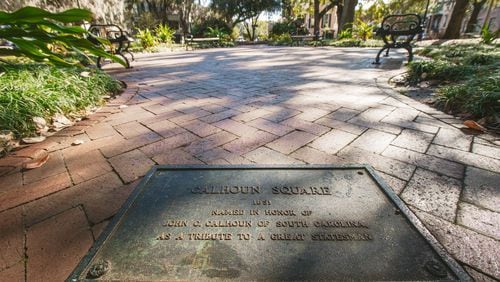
column 316, row 17
column 340, row 9
column 251, row 27
column 477, row 6
column 457, row 16
column 347, row 17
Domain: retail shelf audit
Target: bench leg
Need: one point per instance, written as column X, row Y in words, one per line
column 387, row 52
column 410, row 53
column 131, row 55
column 377, row 59
column 126, row 60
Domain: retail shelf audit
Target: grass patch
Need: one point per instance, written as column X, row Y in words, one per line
column 351, row 42
column 36, row 90
column 469, row 76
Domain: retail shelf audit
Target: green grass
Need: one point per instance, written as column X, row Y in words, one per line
column 351, row 42
column 35, row 90
column 469, row 76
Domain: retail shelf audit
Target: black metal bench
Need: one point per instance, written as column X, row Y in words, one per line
column 398, row 31
column 120, row 41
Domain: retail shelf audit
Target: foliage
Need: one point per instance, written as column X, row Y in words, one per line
column 165, row 34
column 200, row 29
column 479, row 97
column 237, row 11
column 363, row 30
column 280, row 40
column 470, row 75
column 146, row 20
column 487, row 36
column 225, row 40
column 345, row 34
column 439, row 70
column 41, row 91
column 146, row 37
column 349, row 42
column 43, row 37
column 375, row 13
column 215, row 32
column 282, row 28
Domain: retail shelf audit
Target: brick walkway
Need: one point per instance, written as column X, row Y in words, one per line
column 249, row 105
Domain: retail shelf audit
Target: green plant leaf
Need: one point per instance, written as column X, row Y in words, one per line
column 30, row 14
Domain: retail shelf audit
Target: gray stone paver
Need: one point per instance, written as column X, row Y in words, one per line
column 262, row 105
column 428, row 162
column 333, row 141
column 435, row 194
column 374, row 141
column 482, row 188
column 489, row 151
column 481, row 220
column 413, row 140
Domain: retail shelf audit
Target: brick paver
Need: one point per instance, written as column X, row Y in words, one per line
column 131, row 165
column 291, row 142
column 249, row 109
column 56, row 245
column 12, row 234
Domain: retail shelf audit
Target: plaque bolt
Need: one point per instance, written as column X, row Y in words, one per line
column 436, row 269
column 98, row 269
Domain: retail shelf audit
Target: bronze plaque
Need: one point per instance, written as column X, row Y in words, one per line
column 265, row 223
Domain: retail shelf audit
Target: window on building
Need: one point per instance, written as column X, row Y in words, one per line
column 326, row 20
column 435, row 22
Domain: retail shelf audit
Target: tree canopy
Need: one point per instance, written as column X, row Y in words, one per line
column 237, row 11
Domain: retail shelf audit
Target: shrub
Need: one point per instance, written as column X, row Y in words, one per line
column 487, row 36
column 282, row 28
column 41, row 91
column 214, row 32
column 199, row 29
column 439, row 70
column 165, row 34
column 363, row 30
column 345, row 34
column 479, row 97
column 481, row 58
column 474, row 69
column 346, row 43
column 146, row 37
column 280, row 40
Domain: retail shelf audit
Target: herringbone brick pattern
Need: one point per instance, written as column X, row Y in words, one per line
column 241, row 106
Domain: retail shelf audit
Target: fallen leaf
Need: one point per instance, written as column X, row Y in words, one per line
column 40, row 122
column 38, row 162
column 474, row 125
column 85, row 74
column 6, row 135
column 33, row 140
column 59, row 122
column 77, row 142
column 122, row 107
